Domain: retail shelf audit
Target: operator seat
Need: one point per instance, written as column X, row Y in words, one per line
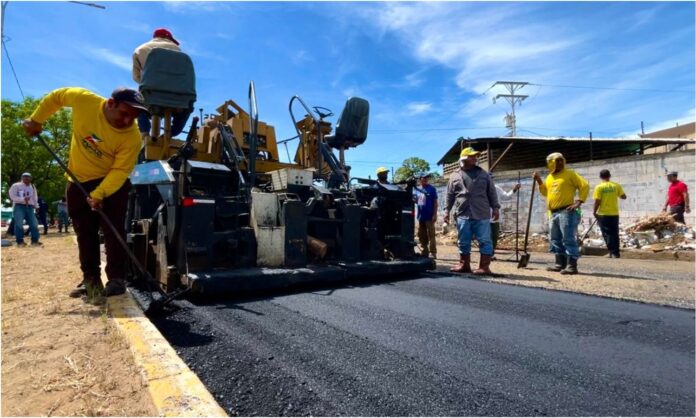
column 168, row 81
column 351, row 128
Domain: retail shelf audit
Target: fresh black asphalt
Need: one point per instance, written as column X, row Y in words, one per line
column 438, row 346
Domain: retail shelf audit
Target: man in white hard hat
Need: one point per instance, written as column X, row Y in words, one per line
column 472, row 190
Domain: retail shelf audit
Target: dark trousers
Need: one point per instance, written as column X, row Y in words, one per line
column 495, row 234
column 43, row 221
column 86, row 223
column 678, row 213
column 609, row 225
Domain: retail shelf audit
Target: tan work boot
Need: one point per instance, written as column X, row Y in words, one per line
column 484, row 265
column 464, row 265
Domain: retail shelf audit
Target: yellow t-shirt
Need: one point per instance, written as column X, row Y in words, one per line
column 559, row 188
column 608, row 192
column 97, row 149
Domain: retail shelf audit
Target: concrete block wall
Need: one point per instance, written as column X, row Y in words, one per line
column 641, row 176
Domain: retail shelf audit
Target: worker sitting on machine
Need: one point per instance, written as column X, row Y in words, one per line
column 167, row 82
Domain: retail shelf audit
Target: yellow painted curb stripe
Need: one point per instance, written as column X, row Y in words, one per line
column 175, row 390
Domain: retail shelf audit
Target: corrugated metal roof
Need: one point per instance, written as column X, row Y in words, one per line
column 502, row 141
column 661, row 141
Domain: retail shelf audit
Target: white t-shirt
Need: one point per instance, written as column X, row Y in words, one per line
column 19, row 191
column 502, row 196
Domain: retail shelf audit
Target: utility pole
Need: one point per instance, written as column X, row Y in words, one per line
column 513, row 99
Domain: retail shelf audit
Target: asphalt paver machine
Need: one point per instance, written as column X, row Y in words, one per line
column 220, row 213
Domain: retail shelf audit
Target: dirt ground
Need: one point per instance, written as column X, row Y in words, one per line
column 670, row 282
column 61, row 356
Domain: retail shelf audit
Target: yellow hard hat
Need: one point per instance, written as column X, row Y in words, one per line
column 468, row 152
column 382, row 170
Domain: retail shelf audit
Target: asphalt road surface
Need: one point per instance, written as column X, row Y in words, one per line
column 438, row 346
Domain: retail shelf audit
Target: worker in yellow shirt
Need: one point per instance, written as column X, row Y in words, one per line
column 560, row 189
column 103, row 151
column 606, row 209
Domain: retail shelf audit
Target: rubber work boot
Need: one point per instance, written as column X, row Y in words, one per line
column 79, row 290
column 572, row 267
column 464, row 265
column 115, row 287
column 561, row 262
column 484, row 265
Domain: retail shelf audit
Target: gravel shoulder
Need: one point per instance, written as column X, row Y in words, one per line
column 61, row 356
column 662, row 282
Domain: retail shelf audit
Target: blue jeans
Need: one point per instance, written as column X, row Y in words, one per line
column 563, row 231
column 178, row 122
column 481, row 228
column 20, row 213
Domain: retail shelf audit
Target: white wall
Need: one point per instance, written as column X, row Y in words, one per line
column 642, row 178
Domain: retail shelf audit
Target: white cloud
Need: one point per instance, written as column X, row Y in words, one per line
column 415, row 108
column 481, row 43
column 300, row 57
column 122, row 61
column 176, row 6
column 139, row 27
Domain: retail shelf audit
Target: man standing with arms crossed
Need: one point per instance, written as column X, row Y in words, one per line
column 560, row 188
column 606, row 209
column 103, row 151
column 472, row 190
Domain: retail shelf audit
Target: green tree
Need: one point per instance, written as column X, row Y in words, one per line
column 437, row 178
column 413, row 167
column 21, row 153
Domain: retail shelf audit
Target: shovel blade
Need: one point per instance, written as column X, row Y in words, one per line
column 524, row 260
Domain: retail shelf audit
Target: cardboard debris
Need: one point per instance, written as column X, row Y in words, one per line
column 652, row 233
column 658, row 223
column 658, row 233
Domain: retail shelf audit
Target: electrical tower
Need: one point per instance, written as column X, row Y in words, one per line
column 513, row 99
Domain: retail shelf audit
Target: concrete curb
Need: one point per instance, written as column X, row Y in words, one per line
column 175, row 390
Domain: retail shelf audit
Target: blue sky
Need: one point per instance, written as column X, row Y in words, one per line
column 422, row 66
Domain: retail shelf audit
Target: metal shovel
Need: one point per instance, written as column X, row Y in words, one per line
column 157, row 298
column 524, row 258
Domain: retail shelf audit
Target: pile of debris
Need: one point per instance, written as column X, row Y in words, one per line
column 658, row 233
column 657, row 223
column 536, row 242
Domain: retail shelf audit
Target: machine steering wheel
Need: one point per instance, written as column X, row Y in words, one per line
column 323, row 112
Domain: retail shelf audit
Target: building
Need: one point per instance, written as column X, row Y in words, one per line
column 687, row 131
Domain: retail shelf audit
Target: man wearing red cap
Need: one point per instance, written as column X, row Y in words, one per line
column 161, row 38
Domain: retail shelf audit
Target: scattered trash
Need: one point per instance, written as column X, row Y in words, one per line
column 658, row 233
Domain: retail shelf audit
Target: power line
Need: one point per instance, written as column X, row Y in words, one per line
column 12, row 68
column 98, row 6
column 402, row 131
column 610, row 88
column 513, row 99
column 607, row 131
